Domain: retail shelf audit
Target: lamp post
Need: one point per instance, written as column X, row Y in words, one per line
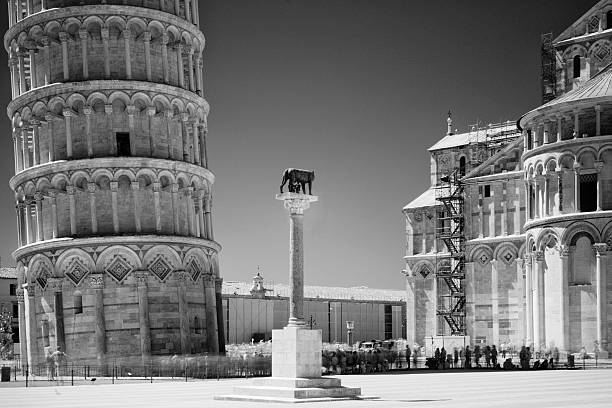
column 350, row 326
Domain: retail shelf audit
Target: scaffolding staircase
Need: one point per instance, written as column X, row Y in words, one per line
column 450, row 272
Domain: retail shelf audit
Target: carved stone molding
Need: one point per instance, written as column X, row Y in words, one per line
column 55, row 284
column 141, row 277
column 296, row 203
column 20, row 295
column 96, row 281
column 600, row 249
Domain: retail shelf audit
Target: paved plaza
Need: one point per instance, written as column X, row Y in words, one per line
column 559, row 388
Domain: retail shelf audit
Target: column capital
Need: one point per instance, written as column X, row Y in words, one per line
column 165, row 38
column 564, row 251
column 141, row 277
column 87, row 110
column 218, row 284
column 151, row 111
column 156, row 186
column 538, row 256
column 599, row 165
column 105, row 33
column 45, row 40
column 597, row 108
column 64, row 36
column 92, row 187
column 184, row 117
column 131, row 110
column 146, row 36
column 174, row 187
column 182, row 276
column 600, row 249
column 520, row 263
column 83, row 34
column 114, row 186
column 70, row 189
column 55, row 284
column 296, row 203
column 127, row 33
column 168, row 114
column 189, row 191
column 36, row 123
column 108, row 109
column 67, row 112
column 96, row 281
column 20, row 295
column 38, row 196
column 135, row 185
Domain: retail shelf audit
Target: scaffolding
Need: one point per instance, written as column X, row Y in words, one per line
column 450, row 269
column 549, row 69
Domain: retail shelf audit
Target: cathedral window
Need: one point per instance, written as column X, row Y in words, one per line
column 123, row 144
column 462, row 166
column 577, row 66
column 609, row 20
column 196, row 325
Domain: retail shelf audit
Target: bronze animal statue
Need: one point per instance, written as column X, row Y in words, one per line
column 297, row 178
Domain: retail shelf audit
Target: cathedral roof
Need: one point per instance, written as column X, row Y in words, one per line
column 598, row 87
column 427, row 199
column 361, row 293
column 569, row 32
column 477, row 134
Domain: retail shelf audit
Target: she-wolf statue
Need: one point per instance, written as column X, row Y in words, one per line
column 297, row 178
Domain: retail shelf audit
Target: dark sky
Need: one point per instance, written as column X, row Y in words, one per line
column 355, row 90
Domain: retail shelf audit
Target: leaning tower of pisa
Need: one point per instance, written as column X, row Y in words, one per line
column 116, row 254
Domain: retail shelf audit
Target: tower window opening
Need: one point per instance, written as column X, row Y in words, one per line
column 462, row 166
column 196, row 324
column 123, row 144
column 609, row 20
column 577, row 66
column 487, row 190
column 588, row 192
column 78, row 303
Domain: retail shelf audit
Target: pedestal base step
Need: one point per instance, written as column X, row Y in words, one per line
column 292, row 390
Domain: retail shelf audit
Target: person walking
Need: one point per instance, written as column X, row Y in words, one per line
column 443, row 358
column 437, row 358
column 456, row 357
column 523, row 358
column 468, row 357
column 477, row 356
column 494, row 356
column 408, row 357
column 487, row 354
column 59, row 357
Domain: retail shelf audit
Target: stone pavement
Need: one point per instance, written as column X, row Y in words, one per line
column 541, row 389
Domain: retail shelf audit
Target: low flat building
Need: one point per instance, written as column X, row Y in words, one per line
column 253, row 310
column 8, row 299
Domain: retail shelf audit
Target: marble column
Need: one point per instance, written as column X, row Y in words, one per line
column 25, row 147
column 183, row 279
column 175, row 208
column 19, row 207
column 64, row 41
column 220, row 319
column 70, row 190
column 87, row 111
column 597, row 120
column 127, row 36
column 31, row 326
column 23, row 344
column 114, row 186
column 96, row 283
column 157, row 202
column 210, row 308
column 602, row 295
column 68, row 114
column 576, row 124
column 105, row 40
column 142, row 278
column 539, row 311
column 559, row 128
column 38, row 199
column 135, row 198
column 55, row 285
column 576, row 187
column 529, row 298
column 147, row 45
column 599, row 165
column 520, row 279
column 411, row 306
column 495, row 299
column 35, row 142
column 47, row 52
column 91, row 189
column 179, row 64
column 54, row 225
column 296, row 204
column 208, row 217
column 84, row 36
column 164, row 43
column 564, row 343
column 559, row 191
column 110, row 126
column 196, row 143
column 50, row 118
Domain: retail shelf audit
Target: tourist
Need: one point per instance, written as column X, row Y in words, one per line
column 555, row 355
column 58, row 357
column 456, row 357
column 523, row 356
column 503, row 350
column 49, row 364
column 408, row 357
column 415, row 356
column 437, row 358
column 494, row 356
column 442, row 360
column 487, row 354
column 468, row 357
column 477, row 356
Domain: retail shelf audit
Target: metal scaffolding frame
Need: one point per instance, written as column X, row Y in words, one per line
column 450, row 268
column 549, row 69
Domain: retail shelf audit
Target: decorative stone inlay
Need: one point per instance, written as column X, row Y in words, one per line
column 296, row 203
column 76, row 270
column 539, row 256
column 484, row 258
column 194, row 269
column 96, row 281
column 160, row 267
column 43, row 276
column 425, row 272
column 119, row 268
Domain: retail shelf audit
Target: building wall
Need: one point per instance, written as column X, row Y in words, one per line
column 247, row 316
column 9, row 302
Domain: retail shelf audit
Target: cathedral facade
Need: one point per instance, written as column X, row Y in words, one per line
column 538, row 211
column 116, row 255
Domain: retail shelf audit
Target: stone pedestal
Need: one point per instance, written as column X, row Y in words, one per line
column 296, row 350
